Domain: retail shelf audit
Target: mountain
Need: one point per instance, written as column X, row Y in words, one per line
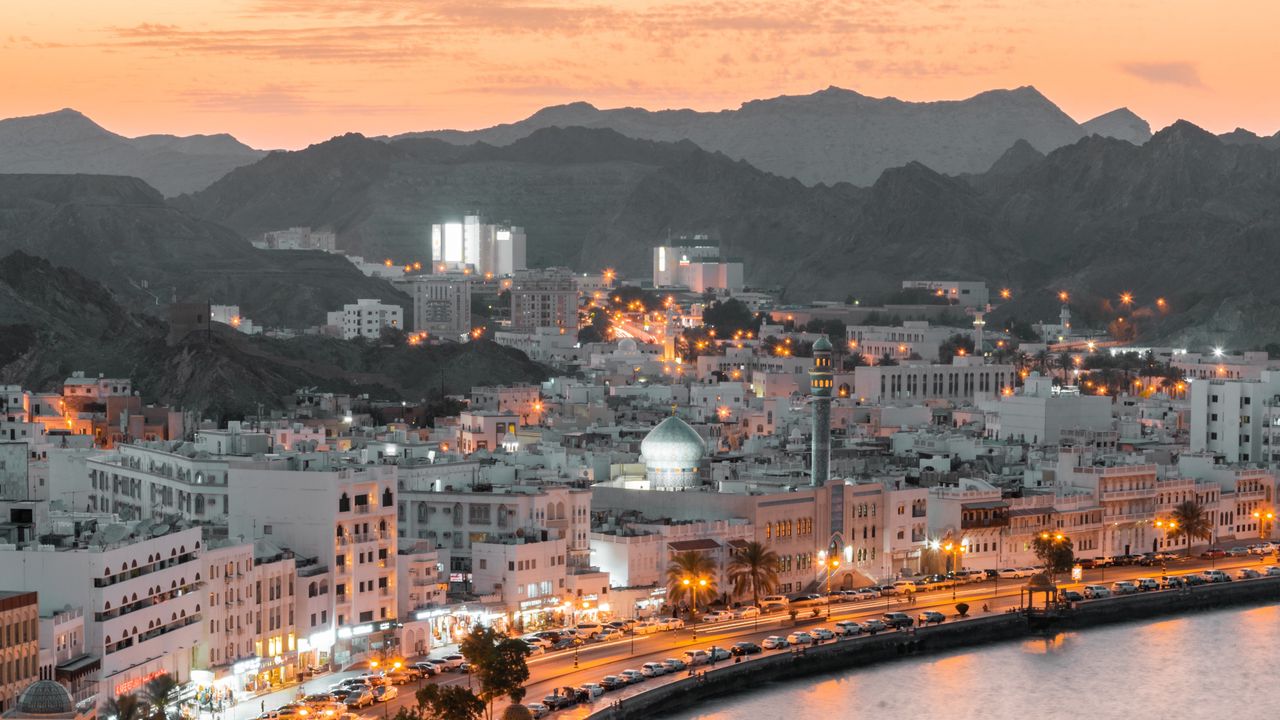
column 55, row 320
column 1170, row 218
column 68, row 142
column 119, row 231
column 830, row 136
column 1240, row 136
column 1121, row 124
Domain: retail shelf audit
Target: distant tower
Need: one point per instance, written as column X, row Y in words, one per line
column 979, row 325
column 821, row 378
column 1064, row 319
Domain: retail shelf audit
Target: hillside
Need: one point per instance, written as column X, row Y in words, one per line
column 1121, row 124
column 830, row 136
column 1169, row 218
column 119, row 231
column 55, row 321
column 68, row 142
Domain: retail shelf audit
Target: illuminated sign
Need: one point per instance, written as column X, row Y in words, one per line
column 252, row 665
column 1077, row 573
column 129, row 686
column 361, row 630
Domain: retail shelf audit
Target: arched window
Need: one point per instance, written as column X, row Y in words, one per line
column 387, row 499
column 344, row 503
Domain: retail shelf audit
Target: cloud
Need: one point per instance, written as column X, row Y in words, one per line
column 1165, row 73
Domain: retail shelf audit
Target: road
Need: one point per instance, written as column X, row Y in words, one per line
column 594, row 661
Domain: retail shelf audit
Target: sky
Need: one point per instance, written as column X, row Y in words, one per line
column 287, row 73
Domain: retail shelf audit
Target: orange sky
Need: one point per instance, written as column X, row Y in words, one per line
column 285, row 73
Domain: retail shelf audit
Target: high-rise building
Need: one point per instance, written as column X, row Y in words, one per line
column 821, row 378
column 441, row 303
column 544, row 298
column 484, row 248
column 19, row 644
column 697, row 267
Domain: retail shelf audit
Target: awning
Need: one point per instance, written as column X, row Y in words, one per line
column 1023, row 512
column 76, row 667
column 687, row 545
column 986, row 505
column 738, row 543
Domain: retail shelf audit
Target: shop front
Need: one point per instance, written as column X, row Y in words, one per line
column 449, row 625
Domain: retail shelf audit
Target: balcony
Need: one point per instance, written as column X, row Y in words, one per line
column 990, row 522
column 1129, row 494
column 1127, row 517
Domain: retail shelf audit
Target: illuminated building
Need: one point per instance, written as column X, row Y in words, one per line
column 19, row 644
column 957, row 292
column 672, row 452
column 479, row 246
column 965, row 379
column 821, row 378
column 696, row 267
column 544, row 299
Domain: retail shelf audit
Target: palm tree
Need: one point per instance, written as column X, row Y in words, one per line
column 124, row 707
column 754, row 569
column 691, row 576
column 1190, row 520
column 158, row 692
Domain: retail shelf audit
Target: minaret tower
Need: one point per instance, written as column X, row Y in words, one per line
column 821, row 378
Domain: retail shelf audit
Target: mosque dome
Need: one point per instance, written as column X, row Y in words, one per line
column 673, row 443
column 45, row 697
column 822, row 344
column 628, row 346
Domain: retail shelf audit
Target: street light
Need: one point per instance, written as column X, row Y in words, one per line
column 954, row 549
column 1264, row 521
column 829, row 564
column 694, row 588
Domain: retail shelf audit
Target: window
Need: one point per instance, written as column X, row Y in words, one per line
column 266, row 529
column 484, row 564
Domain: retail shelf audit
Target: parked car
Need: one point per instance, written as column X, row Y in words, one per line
column 1247, row 574
column 716, row 616
column 593, row 690
column 1273, row 570
column 696, row 657
column 1010, row 574
column 775, row 642
column 1145, row 583
column 897, row 620
column 1071, row 596
column 848, row 627
column 1263, row 548
column 887, row 590
column 633, row 675
column 400, row 677
column 673, row 623
column 556, row 701
column 822, row 633
column 359, row 698
column 320, row 699
column 868, row 593
column 539, row 640
column 748, row 611
column 623, row 625
column 806, row 600
column 386, row 693
column 1093, row 592
column 931, row 617
column 718, row 653
column 904, row 586
column 610, row 633
column 1211, row 553
column 1169, row 582
column 589, row 630
column 745, row 648
column 775, row 600
column 613, row 682
column 674, row 664
column 873, row 626
column 1216, row 576
column 653, row 669
column 538, row 710
column 799, row 637
column 1124, row 587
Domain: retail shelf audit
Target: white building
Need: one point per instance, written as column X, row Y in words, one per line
column 486, row 249
column 697, row 267
column 366, row 318
column 964, row 380
column 230, row 315
column 1039, row 415
column 441, row 303
column 545, row 299
column 915, row 338
column 298, row 238
column 959, row 292
column 1234, row 418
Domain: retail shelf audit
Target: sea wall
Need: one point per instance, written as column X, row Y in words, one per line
column 731, row 677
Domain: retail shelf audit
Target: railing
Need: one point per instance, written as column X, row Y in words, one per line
column 1131, row 494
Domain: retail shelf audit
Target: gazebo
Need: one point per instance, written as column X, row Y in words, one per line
column 1039, row 583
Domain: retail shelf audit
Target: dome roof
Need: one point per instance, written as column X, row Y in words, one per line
column 628, row 346
column 45, row 697
column 673, row 442
column 822, row 344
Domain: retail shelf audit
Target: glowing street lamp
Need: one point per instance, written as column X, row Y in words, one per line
column 1264, row 519
column 1126, row 298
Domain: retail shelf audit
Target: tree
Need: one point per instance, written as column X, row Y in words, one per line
column 517, row 712
column 1189, row 520
column 497, row 663
column 853, row 360
column 1054, row 551
column 691, row 576
column 887, row 361
column 729, row 317
column 449, row 702
column 125, row 707
column 157, row 694
column 754, row 570
column 953, row 346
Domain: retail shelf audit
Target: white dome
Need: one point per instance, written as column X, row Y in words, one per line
column 673, row 443
column 628, row 346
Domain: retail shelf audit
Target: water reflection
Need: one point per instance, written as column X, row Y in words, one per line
column 1209, row 664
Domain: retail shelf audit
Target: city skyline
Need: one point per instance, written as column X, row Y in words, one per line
column 284, row 74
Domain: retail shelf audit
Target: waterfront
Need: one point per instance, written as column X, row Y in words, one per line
column 1218, row 663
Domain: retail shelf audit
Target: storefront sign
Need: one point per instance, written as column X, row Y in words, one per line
column 246, row 667
column 129, row 686
column 361, row 630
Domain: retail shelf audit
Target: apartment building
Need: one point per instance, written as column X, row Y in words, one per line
column 441, row 303
column 366, row 318
column 544, row 299
column 19, row 644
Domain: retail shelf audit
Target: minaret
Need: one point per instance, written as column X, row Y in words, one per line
column 979, row 325
column 821, row 378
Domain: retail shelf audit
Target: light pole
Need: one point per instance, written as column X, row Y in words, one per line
column 694, row 586
column 954, row 549
column 1264, row 522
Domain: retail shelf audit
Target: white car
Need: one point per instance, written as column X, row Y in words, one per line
column 848, row 627
column 822, row 633
column 749, row 611
column 610, row 633
column 594, row 690
column 632, row 675
column 774, row 642
column 1247, row 574
column 589, row 630
column 674, row 664
column 697, row 657
column 718, row 653
column 718, row 616
column 800, row 637
column 1124, row 587
column 673, row 623
column 538, row 710
column 1010, row 573
column 541, row 642
column 653, row 669
column 1093, row 592
column 1273, row 570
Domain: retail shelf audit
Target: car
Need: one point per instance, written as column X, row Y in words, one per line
column 1247, row 574
column 320, row 699
column 848, row 628
column 1093, row 592
column 623, row 625
column 822, row 633
column 886, row 590
column 873, row 626
column 653, row 669
column 897, row 620
column 1124, row 587
column 385, row 693
column 531, row 648
column 539, row 640
column 1145, row 583
column 359, row 699
column 1238, row 552
column 448, row 662
column 538, row 710
column 931, row 617
column 589, row 630
column 964, row 577
column 565, row 643
column 1215, row 576
column 696, row 657
column 775, row 642
column 904, row 586
column 718, row 653
column 673, row 623
column 1070, row 596
column 674, row 665
column 1212, row 553
column 353, row 681
column 632, row 675
column 373, row 678
column 556, row 701
column 1088, row 563
column 427, row 669
column 399, row 677
column 748, row 611
column 1273, row 570
column 867, row 593
column 613, row 682
column 341, row 694
column 806, row 600
column 648, row 627
column 610, row 633
column 465, row 667
column 1263, row 548
column 1169, row 582
column 716, row 616
column 745, row 648
column 593, row 690
column 799, row 637
column 1010, row 574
